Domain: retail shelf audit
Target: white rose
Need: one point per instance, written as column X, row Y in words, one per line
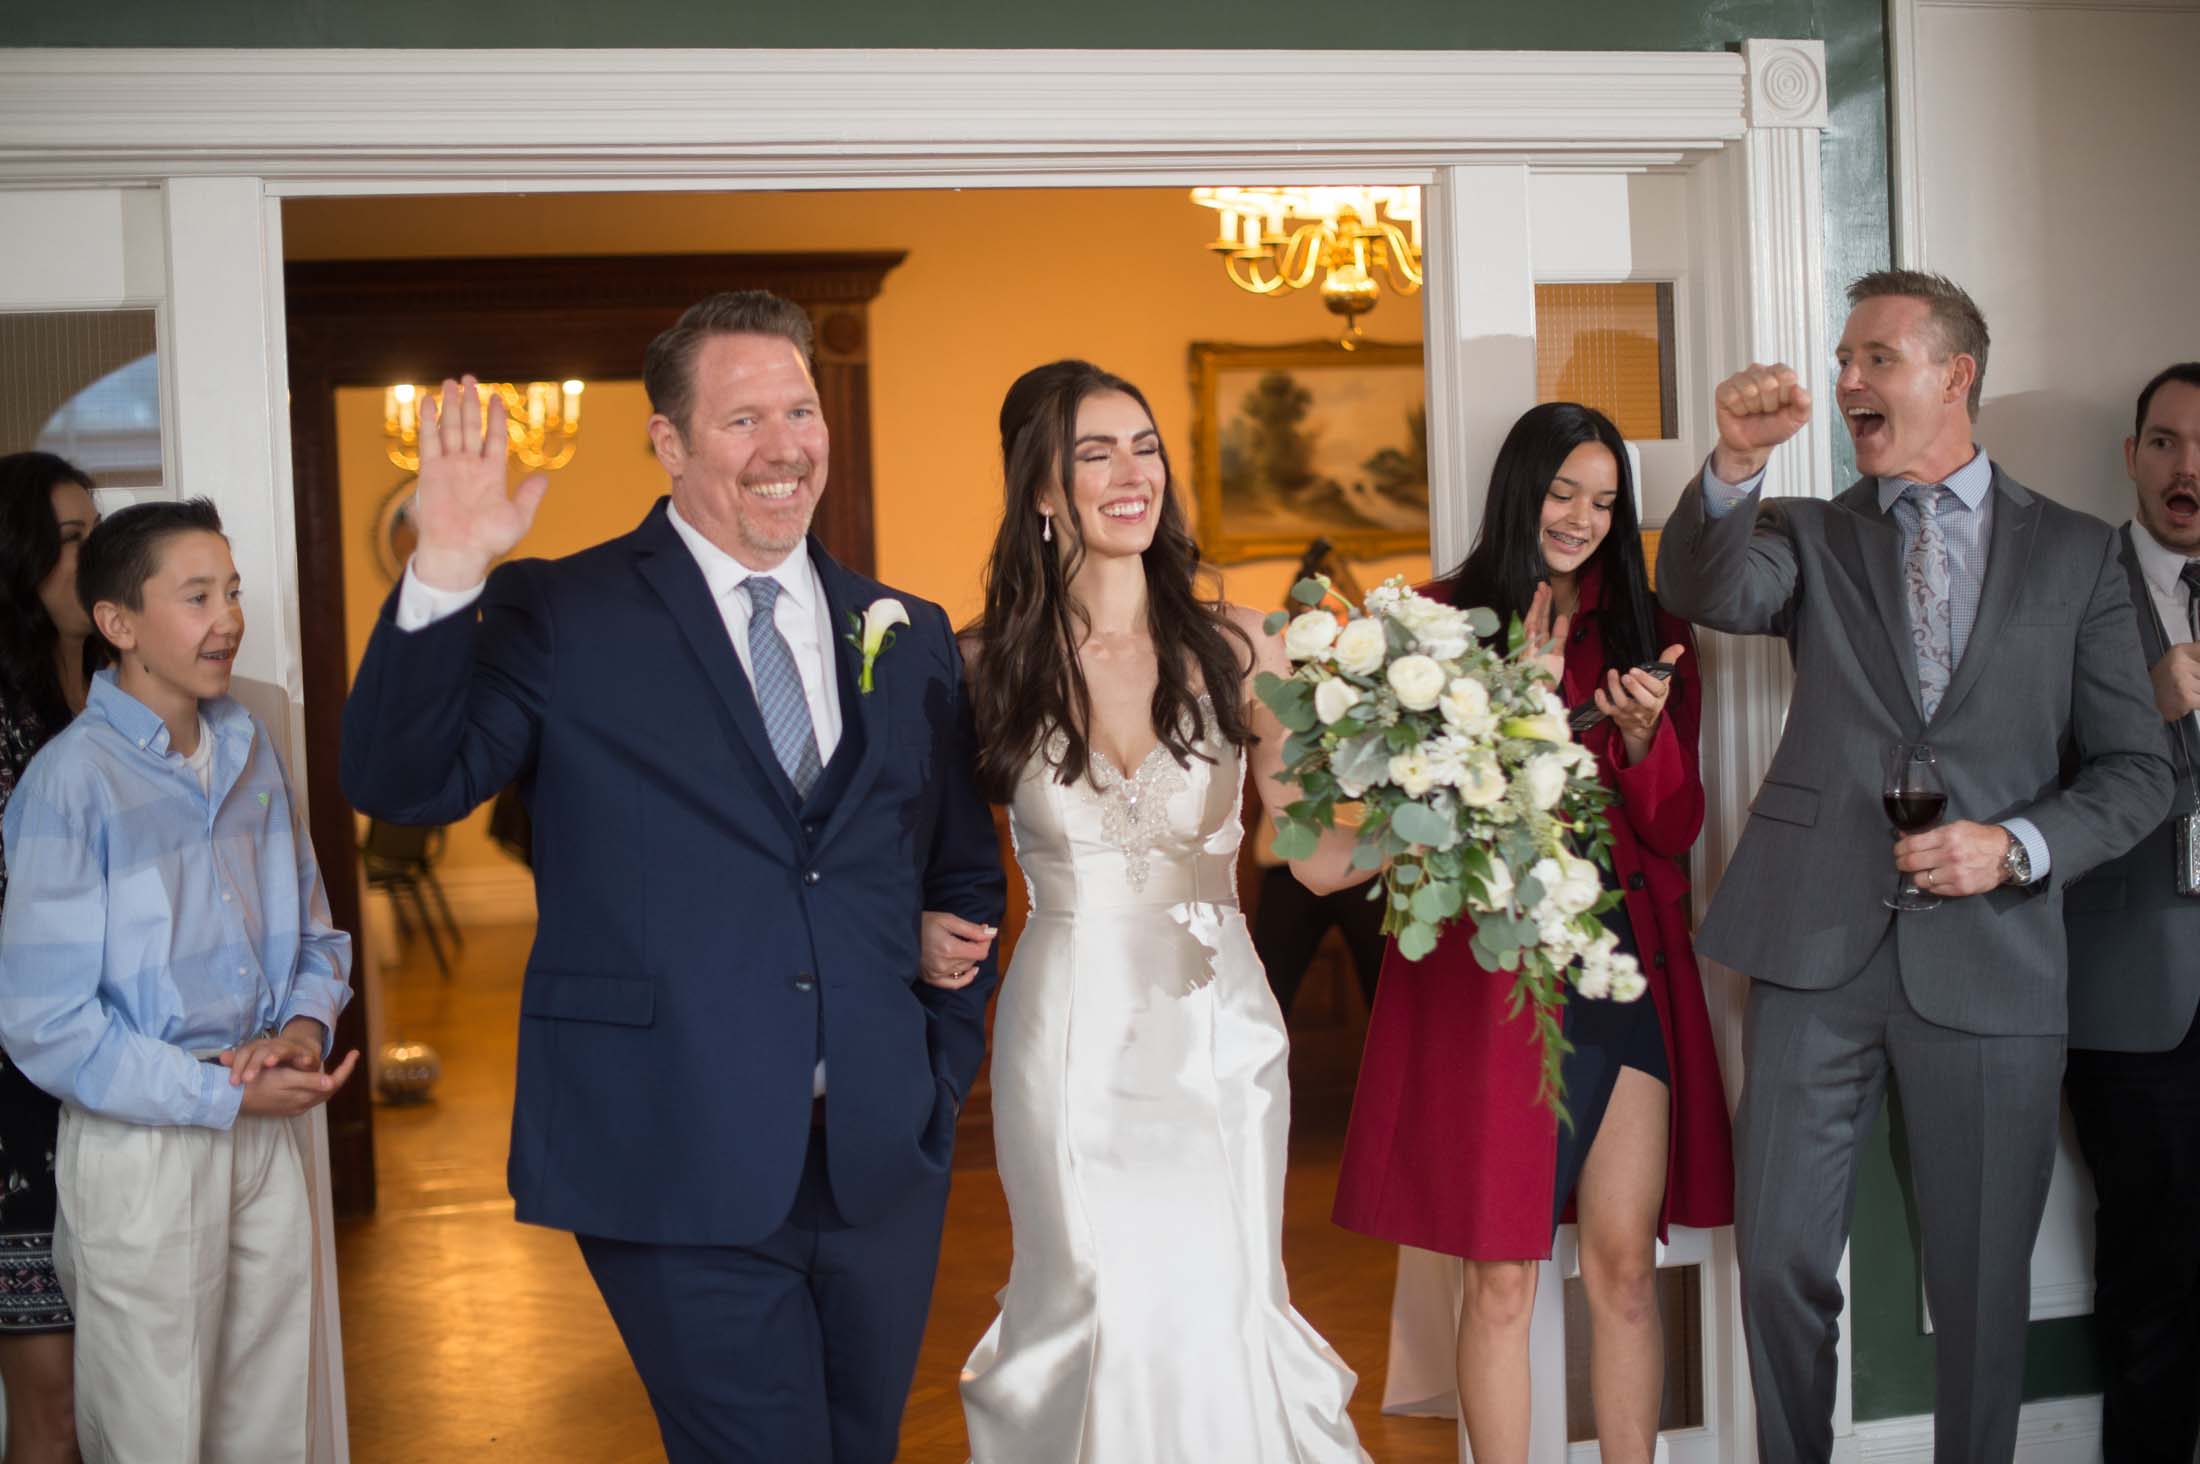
column 1627, row 981
column 1594, row 982
column 1418, row 680
column 1360, row 647
column 1333, row 698
column 1412, row 772
column 1545, row 776
column 1309, row 634
column 1466, row 706
column 1482, row 784
column 1578, row 885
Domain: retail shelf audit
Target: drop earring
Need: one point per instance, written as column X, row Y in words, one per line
column 1046, row 528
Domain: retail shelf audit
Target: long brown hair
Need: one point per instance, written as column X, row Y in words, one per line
column 1029, row 683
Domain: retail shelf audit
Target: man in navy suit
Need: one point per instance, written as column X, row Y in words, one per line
column 737, row 834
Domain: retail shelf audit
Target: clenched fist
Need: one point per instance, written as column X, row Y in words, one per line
column 2177, row 682
column 1757, row 409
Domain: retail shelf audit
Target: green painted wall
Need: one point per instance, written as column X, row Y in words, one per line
column 1894, row 1361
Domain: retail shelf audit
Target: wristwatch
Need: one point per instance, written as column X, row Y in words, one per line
column 2016, row 864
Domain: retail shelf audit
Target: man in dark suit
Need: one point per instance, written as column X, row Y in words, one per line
column 2134, row 1078
column 1936, row 601
column 741, row 816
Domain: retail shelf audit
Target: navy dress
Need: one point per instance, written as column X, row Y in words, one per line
column 30, row 1292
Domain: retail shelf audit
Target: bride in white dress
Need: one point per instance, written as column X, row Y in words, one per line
column 1140, row 1104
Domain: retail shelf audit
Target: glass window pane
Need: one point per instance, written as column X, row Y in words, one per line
column 84, row 384
column 1609, row 347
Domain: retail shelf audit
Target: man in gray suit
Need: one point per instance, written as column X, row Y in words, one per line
column 2134, row 1079
column 1937, row 600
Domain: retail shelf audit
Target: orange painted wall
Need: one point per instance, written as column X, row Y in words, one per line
column 995, row 282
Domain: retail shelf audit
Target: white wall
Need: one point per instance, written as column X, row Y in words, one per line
column 2045, row 161
column 2056, row 177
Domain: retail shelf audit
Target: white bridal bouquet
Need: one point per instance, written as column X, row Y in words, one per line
column 1478, row 802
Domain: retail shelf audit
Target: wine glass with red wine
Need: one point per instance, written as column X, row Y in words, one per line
column 1914, row 797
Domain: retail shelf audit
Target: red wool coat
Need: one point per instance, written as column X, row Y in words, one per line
column 1448, row 1148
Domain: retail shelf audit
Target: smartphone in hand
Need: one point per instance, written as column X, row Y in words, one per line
column 1587, row 714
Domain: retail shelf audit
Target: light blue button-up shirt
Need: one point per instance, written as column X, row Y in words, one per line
column 149, row 925
column 1967, row 519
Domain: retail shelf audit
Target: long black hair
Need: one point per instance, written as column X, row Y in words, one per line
column 1506, row 564
column 1029, row 683
column 30, row 547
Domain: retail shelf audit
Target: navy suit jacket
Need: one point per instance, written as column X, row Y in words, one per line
column 704, row 936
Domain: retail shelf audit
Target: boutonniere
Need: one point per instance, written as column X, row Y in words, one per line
column 874, row 632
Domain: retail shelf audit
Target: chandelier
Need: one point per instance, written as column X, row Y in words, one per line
column 542, row 418
column 1274, row 240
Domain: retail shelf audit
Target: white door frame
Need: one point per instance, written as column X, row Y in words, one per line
column 225, row 135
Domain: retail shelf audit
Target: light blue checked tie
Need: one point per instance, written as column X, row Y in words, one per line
column 779, row 693
column 1926, row 587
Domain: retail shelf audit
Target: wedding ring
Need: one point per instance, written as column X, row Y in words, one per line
column 1929, row 877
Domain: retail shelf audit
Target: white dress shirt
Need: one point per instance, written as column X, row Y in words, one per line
column 801, row 614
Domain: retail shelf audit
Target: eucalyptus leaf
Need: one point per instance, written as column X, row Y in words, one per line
column 1416, row 941
column 1436, row 901
column 1531, row 892
column 1295, row 840
column 1367, row 856
column 1416, row 823
column 1481, row 620
column 1405, row 876
column 1309, row 591
column 1362, row 761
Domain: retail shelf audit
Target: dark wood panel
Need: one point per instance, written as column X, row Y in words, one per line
column 372, row 322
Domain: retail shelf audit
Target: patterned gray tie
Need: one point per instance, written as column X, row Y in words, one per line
column 1925, row 584
column 779, row 694
column 2190, row 574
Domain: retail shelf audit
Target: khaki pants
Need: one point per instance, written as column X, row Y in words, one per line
column 187, row 1256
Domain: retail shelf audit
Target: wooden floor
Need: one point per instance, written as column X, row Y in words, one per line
column 468, row 1336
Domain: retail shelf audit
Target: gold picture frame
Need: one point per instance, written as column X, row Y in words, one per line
column 1294, row 442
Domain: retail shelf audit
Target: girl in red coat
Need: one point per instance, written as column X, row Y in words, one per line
column 1449, row 1149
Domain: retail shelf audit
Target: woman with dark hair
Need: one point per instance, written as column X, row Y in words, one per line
column 1140, row 1104
column 47, row 654
column 1448, row 1149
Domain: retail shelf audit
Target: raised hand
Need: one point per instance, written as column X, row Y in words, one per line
column 1757, row 409
column 465, row 519
column 1546, row 644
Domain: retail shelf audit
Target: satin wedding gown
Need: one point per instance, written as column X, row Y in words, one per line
column 1140, row 1110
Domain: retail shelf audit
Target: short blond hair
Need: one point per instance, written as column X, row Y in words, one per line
column 1955, row 315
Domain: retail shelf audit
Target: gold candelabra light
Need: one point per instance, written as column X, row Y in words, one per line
column 1274, row 240
column 542, row 418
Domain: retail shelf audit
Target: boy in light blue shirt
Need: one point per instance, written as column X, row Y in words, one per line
column 168, row 970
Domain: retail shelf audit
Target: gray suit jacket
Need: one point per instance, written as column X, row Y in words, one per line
column 2052, row 664
column 2134, row 941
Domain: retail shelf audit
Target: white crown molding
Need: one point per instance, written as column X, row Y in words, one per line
column 837, row 118
column 2052, row 1431
column 1787, row 83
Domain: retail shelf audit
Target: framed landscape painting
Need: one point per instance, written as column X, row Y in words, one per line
column 1298, row 442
